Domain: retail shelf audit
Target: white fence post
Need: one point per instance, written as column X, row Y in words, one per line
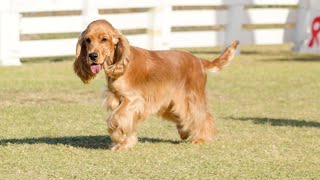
column 301, row 33
column 90, row 12
column 233, row 28
column 160, row 26
column 307, row 37
column 9, row 34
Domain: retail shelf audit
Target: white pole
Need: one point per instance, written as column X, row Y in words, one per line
column 160, row 26
column 9, row 34
column 233, row 28
column 90, row 12
column 302, row 23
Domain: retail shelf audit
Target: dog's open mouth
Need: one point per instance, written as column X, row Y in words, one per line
column 95, row 68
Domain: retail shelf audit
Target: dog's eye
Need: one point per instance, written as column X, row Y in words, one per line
column 88, row 40
column 104, row 40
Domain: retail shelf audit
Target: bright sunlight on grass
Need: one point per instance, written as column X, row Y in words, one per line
column 267, row 106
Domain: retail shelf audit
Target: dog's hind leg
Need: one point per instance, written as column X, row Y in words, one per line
column 168, row 113
column 203, row 131
column 196, row 124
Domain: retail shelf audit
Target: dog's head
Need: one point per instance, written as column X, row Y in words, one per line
column 100, row 46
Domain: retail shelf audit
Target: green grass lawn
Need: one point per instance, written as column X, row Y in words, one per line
column 267, row 106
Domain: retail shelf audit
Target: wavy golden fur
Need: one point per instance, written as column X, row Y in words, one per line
column 141, row 82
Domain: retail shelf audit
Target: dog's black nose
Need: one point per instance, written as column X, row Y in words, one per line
column 93, row 56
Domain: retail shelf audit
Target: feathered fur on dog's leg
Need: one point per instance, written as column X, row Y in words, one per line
column 223, row 60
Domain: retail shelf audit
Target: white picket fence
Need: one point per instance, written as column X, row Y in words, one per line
column 158, row 19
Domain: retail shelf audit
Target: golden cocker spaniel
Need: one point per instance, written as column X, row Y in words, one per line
column 141, row 82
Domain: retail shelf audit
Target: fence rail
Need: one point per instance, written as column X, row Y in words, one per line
column 158, row 19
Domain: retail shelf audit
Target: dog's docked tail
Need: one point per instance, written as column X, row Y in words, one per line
column 223, row 60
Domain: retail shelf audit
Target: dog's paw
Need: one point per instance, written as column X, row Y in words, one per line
column 116, row 147
column 119, row 147
column 129, row 143
column 197, row 141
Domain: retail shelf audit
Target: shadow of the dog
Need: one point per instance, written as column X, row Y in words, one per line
column 278, row 121
column 89, row 142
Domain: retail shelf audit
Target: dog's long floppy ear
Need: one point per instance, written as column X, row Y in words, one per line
column 121, row 56
column 80, row 65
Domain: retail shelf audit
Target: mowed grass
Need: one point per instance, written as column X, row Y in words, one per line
column 266, row 103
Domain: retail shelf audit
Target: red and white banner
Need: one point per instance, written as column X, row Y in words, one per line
column 315, row 32
column 308, row 27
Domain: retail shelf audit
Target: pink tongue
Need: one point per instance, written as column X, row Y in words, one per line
column 95, row 68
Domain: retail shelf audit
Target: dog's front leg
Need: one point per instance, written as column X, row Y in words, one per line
column 111, row 100
column 122, row 126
